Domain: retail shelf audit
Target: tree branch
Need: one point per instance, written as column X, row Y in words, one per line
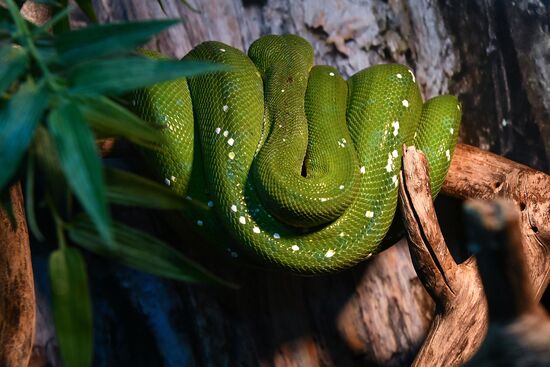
column 461, row 318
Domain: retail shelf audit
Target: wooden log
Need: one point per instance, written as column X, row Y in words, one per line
column 17, row 303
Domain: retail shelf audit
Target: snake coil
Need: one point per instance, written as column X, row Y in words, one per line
column 298, row 165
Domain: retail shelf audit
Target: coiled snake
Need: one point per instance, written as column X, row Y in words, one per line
column 298, row 165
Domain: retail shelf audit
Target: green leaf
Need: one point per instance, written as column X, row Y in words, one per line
column 18, row 120
column 13, row 62
column 72, row 309
column 63, row 25
column 47, row 160
column 111, row 119
column 126, row 188
column 82, row 166
column 141, row 251
column 29, row 200
column 88, row 9
column 96, row 41
column 127, row 74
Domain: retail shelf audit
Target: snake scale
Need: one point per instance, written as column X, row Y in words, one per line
column 299, row 166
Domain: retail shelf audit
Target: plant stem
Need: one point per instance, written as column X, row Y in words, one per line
column 60, row 234
column 28, row 43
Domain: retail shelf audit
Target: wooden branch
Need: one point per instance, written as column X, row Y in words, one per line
column 519, row 329
column 461, row 318
column 17, row 303
column 475, row 173
column 456, row 331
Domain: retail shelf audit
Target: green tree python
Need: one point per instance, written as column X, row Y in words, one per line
column 298, row 165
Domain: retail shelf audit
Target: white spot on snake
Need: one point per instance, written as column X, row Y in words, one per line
column 323, row 199
column 284, row 140
column 395, row 154
column 329, row 253
column 282, row 90
column 452, row 131
column 225, row 108
column 256, row 230
column 231, row 155
column 167, row 181
column 341, row 187
column 173, row 178
column 234, row 254
column 362, row 169
column 179, row 102
column 222, row 49
column 188, row 198
column 342, row 142
column 331, row 73
column 399, row 76
column 458, row 107
column 200, row 222
column 231, row 141
column 342, row 234
column 394, row 180
column 395, row 125
column 412, row 75
column 415, row 134
column 225, row 133
column 218, row 130
column 369, row 214
column 389, row 164
column 234, row 208
column 405, row 103
column 295, row 247
column 276, row 236
column 210, row 204
column 504, row 122
column 448, row 154
column 242, row 220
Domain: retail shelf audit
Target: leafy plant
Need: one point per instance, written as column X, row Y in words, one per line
column 56, row 93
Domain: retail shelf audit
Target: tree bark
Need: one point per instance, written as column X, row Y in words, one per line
column 17, row 303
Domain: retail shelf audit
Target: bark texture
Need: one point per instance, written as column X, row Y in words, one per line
column 17, row 303
column 378, row 313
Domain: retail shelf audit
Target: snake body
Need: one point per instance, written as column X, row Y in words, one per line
column 298, row 165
